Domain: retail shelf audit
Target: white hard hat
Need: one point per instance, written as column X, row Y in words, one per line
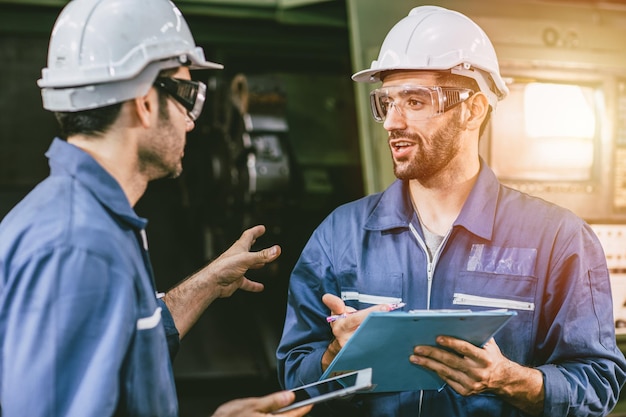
column 434, row 38
column 103, row 52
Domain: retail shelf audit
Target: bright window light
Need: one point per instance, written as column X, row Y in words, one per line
column 546, row 131
column 558, row 111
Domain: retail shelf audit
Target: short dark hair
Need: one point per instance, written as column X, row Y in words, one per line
column 92, row 122
column 95, row 122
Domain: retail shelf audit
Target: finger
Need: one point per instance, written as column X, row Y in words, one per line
column 276, row 401
column 462, row 347
column 334, row 303
column 249, row 236
column 430, row 357
column 452, row 369
column 426, row 351
column 437, row 360
column 269, row 254
column 356, row 317
column 298, row 412
column 349, row 323
column 422, row 358
column 251, row 286
column 284, row 398
column 279, row 400
column 378, row 307
column 257, row 260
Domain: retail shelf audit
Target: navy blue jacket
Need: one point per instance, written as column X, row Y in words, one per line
column 81, row 330
column 505, row 250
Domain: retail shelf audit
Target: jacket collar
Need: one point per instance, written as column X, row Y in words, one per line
column 67, row 159
column 395, row 209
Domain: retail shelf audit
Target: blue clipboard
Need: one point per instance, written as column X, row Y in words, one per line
column 385, row 340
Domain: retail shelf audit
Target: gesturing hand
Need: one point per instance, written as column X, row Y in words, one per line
column 221, row 278
column 230, row 267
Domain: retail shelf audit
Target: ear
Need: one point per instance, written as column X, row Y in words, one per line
column 146, row 108
column 478, row 108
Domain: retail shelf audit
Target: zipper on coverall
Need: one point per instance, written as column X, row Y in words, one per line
column 430, row 271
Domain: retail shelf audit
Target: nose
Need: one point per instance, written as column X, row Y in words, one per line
column 394, row 120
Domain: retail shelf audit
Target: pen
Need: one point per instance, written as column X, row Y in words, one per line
column 392, row 306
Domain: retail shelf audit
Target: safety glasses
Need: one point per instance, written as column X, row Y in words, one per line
column 416, row 102
column 191, row 94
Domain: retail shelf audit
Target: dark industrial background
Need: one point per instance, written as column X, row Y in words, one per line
column 293, row 64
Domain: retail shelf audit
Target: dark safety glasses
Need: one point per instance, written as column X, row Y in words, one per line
column 190, row 94
column 416, row 102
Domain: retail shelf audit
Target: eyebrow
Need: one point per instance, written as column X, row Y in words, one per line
column 408, row 91
column 414, row 90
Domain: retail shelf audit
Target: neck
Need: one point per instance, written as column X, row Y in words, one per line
column 438, row 206
column 117, row 157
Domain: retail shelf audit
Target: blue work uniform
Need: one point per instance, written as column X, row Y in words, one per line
column 505, row 250
column 82, row 332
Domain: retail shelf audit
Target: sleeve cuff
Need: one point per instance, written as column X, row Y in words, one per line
column 171, row 332
column 556, row 392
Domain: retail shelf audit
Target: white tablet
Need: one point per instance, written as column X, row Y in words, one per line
column 338, row 386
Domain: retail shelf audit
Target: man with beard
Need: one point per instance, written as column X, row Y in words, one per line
column 82, row 330
column 447, row 235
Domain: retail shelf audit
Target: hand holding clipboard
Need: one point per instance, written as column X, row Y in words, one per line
column 385, row 340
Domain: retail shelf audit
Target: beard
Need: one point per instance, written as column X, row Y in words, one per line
column 431, row 156
column 162, row 156
column 156, row 167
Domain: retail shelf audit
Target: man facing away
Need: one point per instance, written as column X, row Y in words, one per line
column 447, row 235
column 82, row 329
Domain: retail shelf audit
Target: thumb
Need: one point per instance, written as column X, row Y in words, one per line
column 259, row 259
column 334, row 303
column 277, row 400
column 269, row 254
column 284, row 398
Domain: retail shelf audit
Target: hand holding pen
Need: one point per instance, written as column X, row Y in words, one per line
column 344, row 328
column 334, row 317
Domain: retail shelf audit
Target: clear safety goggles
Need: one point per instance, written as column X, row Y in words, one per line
column 416, row 102
column 191, row 94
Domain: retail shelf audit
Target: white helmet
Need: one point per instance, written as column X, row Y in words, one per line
column 103, row 52
column 434, row 38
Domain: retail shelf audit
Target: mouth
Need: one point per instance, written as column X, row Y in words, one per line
column 398, row 145
column 401, row 148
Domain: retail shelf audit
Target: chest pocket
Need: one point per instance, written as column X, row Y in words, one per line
column 368, row 289
column 498, row 277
